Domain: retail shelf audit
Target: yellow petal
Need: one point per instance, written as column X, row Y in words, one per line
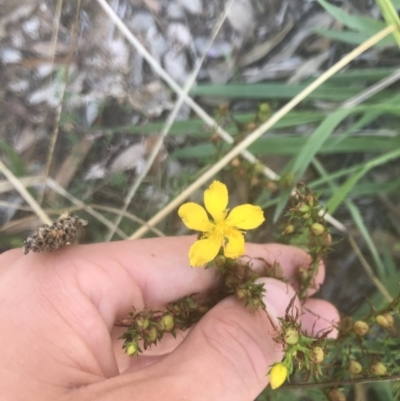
column 278, row 375
column 245, row 217
column 203, row 251
column 235, row 246
column 195, row 217
column 216, row 200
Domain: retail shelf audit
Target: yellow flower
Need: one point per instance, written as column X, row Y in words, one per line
column 278, row 375
column 224, row 230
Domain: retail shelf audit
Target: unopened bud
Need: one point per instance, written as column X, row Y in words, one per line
column 291, row 336
column 278, row 375
column 360, row 328
column 143, row 323
column 264, row 108
column 382, row 321
column 272, row 186
column 235, row 162
column 378, row 369
column 220, row 260
column 132, row 349
column 303, row 273
column 251, row 126
column 318, row 354
column 167, row 322
column 317, row 228
column 354, row 367
column 242, row 293
column 326, row 239
column 387, row 318
column 289, row 229
column 151, row 335
column 254, row 182
column 303, row 208
column 336, row 395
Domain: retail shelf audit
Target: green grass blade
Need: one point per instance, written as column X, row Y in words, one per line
column 357, row 218
column 344, row 190
column 16, row 164
column 358, row 23
column 353, row 38
column 391, row 17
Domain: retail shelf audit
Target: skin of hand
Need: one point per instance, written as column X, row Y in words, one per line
column 58, row 340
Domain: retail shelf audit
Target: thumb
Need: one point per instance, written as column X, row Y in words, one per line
column 226, row 356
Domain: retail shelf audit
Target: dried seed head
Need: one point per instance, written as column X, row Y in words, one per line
column 61, row 232
column 360, row 328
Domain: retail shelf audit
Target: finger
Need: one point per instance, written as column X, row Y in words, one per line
column 317, row 316
column 320, row 316
column 160, row 266
column 225, row 357
column 289, row 258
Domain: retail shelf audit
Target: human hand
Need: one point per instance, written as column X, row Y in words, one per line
column 58, row 340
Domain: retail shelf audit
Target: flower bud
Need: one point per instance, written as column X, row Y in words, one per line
column 220, row 260
column 151, row 335
column 143, row 323
column 389, row 318
column 382, row 321
column 303, row 208
column 386, row 320
column 326, row 239
column 132, row 349
column 360, row 328
column 278, row 375
column 242, row 293
column 378, row 369
column 235, row 162
column 272, row 186
column 303, row 273
column 354, row 367
column 167, row 322
column 289, row 229
column 251, row 126
column 336, row 395
column 317, row 228
column 254, row 182
column 318, row 354
column 264, row 108
column 291, row 336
